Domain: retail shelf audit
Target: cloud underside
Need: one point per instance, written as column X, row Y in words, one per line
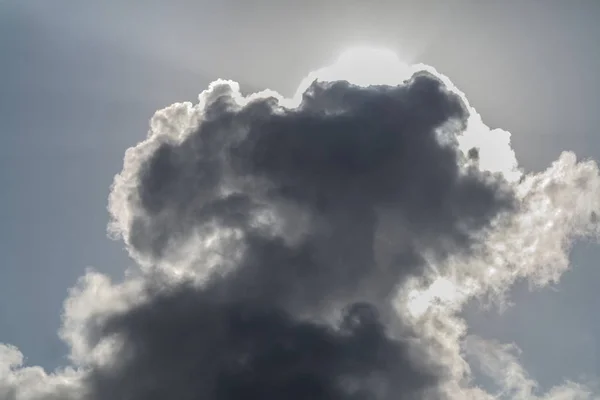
column 320, row 248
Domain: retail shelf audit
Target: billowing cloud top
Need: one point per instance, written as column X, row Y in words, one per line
column 318, row 247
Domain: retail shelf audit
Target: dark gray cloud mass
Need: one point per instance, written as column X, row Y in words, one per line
column 346, row 150
column 334, row 203
column 184, row 345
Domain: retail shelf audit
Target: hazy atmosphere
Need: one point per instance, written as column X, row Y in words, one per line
column 299, row 200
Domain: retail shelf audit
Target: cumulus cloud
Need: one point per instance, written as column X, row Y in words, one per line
column 316, row 247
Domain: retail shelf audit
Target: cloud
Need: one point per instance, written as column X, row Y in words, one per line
column 18, row 382
column 500, row 363
column 315, row 247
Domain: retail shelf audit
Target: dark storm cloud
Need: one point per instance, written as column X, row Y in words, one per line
column 185, row 345
column 346, row 150
column 365, row 165
column 367, row 181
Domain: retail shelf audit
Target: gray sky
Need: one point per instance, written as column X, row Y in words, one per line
column 80, row 80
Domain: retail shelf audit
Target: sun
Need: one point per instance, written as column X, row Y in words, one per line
column 442, row 292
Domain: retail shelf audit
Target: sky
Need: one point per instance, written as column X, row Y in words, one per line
column 81, row 81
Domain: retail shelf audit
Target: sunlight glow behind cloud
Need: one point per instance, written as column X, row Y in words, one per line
column 362, row 66
column 365, row 66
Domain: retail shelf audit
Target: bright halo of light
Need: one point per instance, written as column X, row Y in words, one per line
column 372, row 66
column 362, row 66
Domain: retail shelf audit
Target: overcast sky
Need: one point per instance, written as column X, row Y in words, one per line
column 80, row 80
